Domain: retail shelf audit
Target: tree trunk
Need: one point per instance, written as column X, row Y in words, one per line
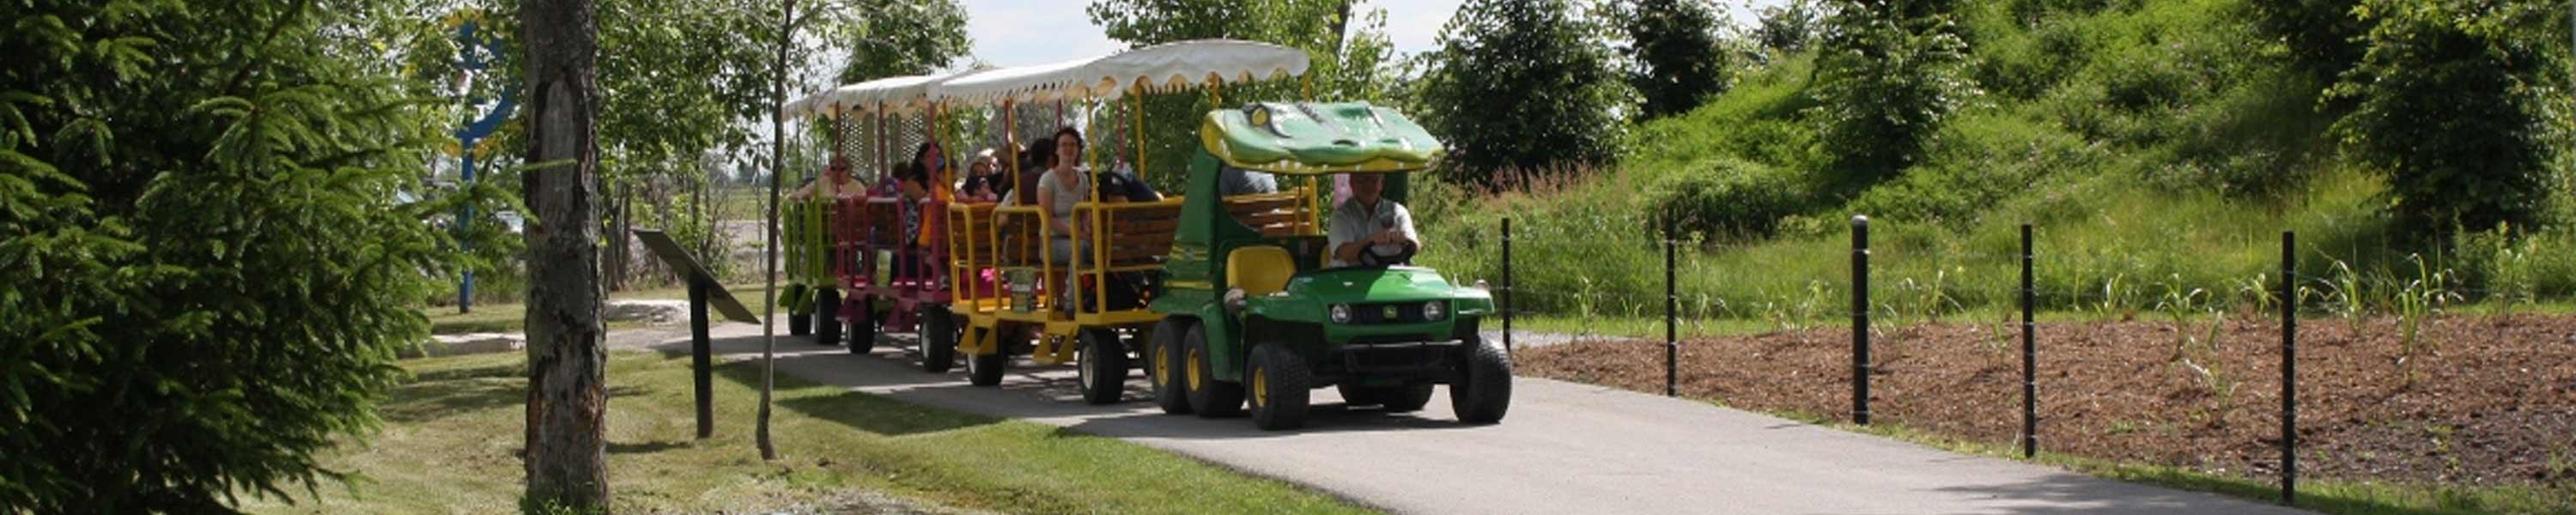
column 566, row 454
column 623, row 270
column 769, row 261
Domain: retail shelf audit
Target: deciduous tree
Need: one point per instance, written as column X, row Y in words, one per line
column 1524, row 85
column 567, row 432
column 1675, row 53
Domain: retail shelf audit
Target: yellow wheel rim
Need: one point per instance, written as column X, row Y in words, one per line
column 1162, row 367
column 1260, row 387
column 1194, row 370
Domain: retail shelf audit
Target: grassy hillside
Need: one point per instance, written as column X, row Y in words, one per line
column 2160, row 148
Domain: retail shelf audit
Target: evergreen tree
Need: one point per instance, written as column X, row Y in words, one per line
column 208, row 219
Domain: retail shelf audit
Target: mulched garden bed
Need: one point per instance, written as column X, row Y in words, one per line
column 2492, row 400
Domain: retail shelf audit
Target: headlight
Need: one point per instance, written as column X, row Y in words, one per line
column 1341, row 313
column 1434, row 311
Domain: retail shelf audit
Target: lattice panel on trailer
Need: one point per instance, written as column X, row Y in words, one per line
column 846, row 130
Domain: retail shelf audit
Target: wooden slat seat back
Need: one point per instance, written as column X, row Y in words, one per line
column 1274, row 214
column 1016, row 237
column 1136, row 233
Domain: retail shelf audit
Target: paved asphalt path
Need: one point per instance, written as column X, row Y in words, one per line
column 1564, row 448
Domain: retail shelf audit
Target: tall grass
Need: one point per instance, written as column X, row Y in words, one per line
column 2155, row 146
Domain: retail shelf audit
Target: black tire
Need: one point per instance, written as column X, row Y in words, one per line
column 1396, row 399
column 799, row 324
column 1209, row 397
column 1102, row 363
column 1163, row 366
column 827, row 317
column 863, row 326
column 938, row 339
column 986, row 369
column 1482, row 390
column 1279, row 381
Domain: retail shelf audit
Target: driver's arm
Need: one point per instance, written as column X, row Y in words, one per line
column 1346, row 241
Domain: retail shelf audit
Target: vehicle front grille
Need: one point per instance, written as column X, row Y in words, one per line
column 1405, row 313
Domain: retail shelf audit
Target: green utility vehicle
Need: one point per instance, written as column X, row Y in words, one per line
column 1253, row 310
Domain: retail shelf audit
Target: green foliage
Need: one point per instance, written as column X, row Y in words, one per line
column 2321, row 37
column 907, row 37
column 1728, row 199
column 1888, row 73
column 1787, row 28
column 1521, row 85
column 1676, row 51
column 204, row 210
column 2454, row 100
column 1979, row 161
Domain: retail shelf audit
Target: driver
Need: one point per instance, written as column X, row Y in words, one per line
column 1368, row 230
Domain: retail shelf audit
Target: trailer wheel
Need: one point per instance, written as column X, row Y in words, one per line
column 863, row 326
column 1278, row 381
column 1209, row 397
column 1163, row 366
column 1102, row 361
column 827, row 317
column 986, row 369
column 938, row 339
column 1483, row 388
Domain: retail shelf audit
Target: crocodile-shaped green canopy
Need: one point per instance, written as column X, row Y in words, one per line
column 1311, row 138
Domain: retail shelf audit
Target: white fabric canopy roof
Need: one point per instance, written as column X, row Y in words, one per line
column 1160, row 67
column 1163, row 67
column 894, row 95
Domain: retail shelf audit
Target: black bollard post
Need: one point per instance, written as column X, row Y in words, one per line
column 1672, row 341
column 2289, row 368
column 1507, row 286
column 700, row 359
column 1860, row 319
column 2029, row 354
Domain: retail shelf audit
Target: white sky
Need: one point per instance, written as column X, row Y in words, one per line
column 1026, row 32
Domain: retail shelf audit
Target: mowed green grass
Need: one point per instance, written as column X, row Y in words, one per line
column 451, row 436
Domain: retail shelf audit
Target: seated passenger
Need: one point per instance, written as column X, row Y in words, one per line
column 1369, row 230
column 1122, row 185
column 984, row 182
column 913, row 184
column 1058, row 190
column 836, row 183
column 1231, row 181
column 1034, row 161
column 1062, row 186
column 934, row 166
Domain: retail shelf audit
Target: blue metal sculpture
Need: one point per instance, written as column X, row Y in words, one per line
column 472, row 45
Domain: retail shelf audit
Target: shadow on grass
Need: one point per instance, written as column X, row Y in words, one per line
column 861, row 411
column 643, row 448
column 459, row 392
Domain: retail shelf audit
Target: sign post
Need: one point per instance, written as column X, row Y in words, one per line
column 703, row 290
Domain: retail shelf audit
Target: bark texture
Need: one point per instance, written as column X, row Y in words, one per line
column 566, row 454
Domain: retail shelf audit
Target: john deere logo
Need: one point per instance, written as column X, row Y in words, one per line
column 1390, row 312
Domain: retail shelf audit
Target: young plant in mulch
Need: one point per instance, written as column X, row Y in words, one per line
column 2419, row 299
column 2351, row 296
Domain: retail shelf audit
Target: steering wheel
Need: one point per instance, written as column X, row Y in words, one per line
column 1369, row 255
